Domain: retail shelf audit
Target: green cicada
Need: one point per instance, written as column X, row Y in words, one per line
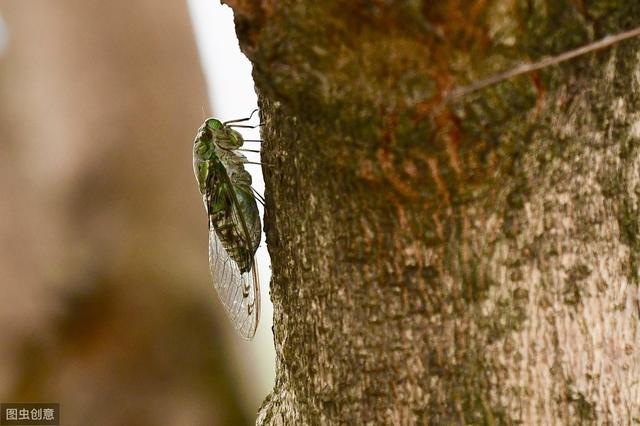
column 233, row 220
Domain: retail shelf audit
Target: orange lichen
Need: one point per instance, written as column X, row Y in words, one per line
column 540, row 90
column 441, row 186
column 438, row 225
column 400, row 213
column 452, row 141
column 385, row 159
column 366, row 171
column 409, row 167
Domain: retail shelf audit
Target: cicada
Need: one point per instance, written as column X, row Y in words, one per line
column 233, row 220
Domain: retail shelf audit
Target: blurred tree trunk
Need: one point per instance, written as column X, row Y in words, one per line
column 464, row 263
column 107, row 305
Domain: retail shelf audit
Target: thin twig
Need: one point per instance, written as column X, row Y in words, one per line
column 605, row 42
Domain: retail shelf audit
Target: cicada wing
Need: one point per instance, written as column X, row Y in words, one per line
column 239, row 291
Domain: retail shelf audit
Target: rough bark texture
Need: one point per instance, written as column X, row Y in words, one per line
column 471, row 263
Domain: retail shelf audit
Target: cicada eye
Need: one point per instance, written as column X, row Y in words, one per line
column 213, row 123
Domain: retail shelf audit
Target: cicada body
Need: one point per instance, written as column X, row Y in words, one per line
column 233, row 220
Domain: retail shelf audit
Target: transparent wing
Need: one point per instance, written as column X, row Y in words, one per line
column 239, row 292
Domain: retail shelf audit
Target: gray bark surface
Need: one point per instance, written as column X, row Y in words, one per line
column 471, row 263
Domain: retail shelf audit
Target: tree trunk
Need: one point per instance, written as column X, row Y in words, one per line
column 434, row 262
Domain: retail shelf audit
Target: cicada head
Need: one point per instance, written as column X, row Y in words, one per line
column 223, row 136
column 203, row 144
column 204, row 156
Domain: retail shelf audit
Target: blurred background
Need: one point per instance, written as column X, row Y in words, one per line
column 106, row 302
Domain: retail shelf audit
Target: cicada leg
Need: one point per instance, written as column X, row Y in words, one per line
column 239, row 120
column 259, row 197
column 245, row 126
column 259, row 164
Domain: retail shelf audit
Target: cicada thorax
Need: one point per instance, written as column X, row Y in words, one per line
column 216, row 143
column 223, row 136
column 204, row 155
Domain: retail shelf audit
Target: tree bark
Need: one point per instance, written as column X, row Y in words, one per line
column 473, row 262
